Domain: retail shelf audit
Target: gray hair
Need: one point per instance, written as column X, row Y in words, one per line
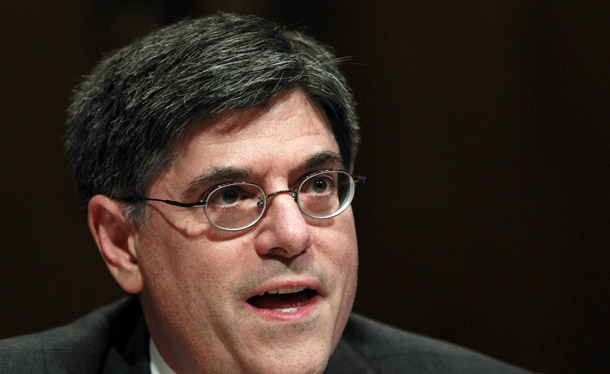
column 127, row 117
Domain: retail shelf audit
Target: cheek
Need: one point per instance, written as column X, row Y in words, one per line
column 343, row 253
column 172, row 261
column 338, row 243
column 158, row 256
column 349, row 263
column 166, row 258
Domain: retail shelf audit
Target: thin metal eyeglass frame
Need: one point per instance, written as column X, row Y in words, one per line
column 356, row 180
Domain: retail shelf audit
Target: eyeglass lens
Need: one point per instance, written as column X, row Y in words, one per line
column 323, row 195
column 240, row 205
column 235, row 206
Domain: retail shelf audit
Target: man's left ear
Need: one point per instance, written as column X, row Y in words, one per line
column 114, row 235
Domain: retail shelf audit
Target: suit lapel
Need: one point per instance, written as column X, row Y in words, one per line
column 345, row 360
column 128, row 353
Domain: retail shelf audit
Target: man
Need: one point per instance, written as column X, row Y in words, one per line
column 216, row 158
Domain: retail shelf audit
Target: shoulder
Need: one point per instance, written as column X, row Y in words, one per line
column 377, row 348
column 79, row 347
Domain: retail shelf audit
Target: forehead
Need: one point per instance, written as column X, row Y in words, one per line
column 285, row 133
column 286, row 117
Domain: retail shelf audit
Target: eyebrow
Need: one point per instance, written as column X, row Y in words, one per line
column 216, row 174
column 219, row 174
column 321, row 158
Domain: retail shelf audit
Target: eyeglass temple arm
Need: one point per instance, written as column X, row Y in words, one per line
column 169, row 202
column 134, row 199
column 359, row 179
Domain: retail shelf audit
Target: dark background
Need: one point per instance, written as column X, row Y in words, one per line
column 485, row 139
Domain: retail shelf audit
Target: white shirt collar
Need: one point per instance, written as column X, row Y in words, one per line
column 157, row 363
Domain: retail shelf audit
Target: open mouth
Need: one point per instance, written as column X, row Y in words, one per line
column 283, row 300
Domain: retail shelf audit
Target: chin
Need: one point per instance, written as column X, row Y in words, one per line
column 293, row 359
column 288, row 365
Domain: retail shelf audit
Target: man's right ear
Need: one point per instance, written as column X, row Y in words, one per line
column 114, row 235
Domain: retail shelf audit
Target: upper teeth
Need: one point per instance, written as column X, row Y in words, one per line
column 283, row 290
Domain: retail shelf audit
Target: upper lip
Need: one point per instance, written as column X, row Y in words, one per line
column 286, row 286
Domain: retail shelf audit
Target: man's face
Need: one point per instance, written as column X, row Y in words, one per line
column 200, row 281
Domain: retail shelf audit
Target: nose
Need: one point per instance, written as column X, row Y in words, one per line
column 284, row 230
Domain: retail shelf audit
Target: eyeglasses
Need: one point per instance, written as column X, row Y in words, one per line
column 237, row 206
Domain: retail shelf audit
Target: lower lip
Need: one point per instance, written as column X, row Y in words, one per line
column 303, row 312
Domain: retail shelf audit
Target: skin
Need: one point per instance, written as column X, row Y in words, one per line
column 194, row 279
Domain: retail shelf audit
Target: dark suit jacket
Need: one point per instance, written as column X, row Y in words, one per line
column 114, row 340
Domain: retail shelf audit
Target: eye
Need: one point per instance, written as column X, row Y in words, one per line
column 227, row 196
column 318, row 185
